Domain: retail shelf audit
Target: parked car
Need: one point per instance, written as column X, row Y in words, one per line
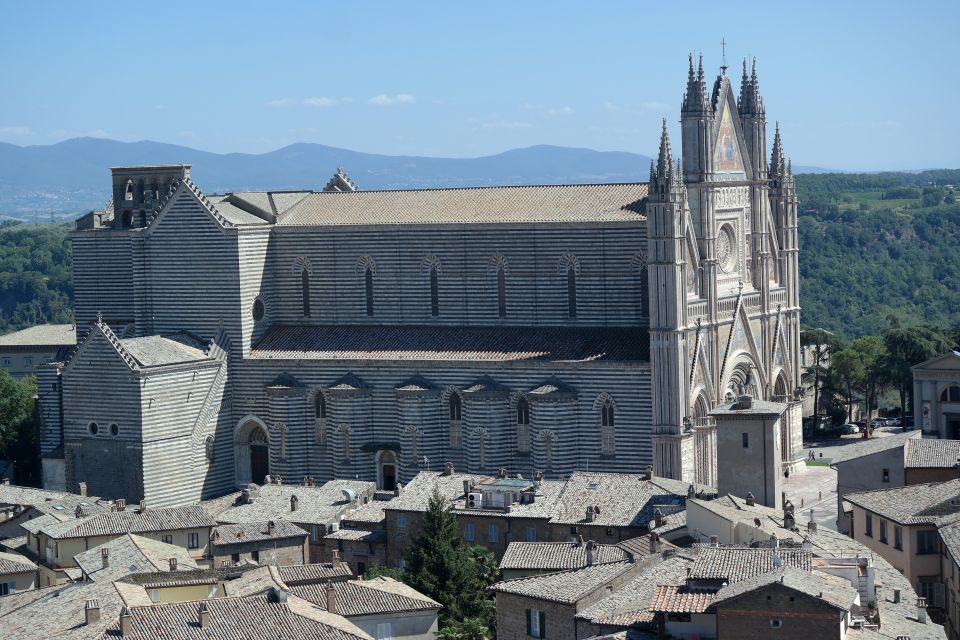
column 848, row 428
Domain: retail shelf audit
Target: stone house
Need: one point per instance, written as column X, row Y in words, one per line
column 57, row 543
column 131, row 553
column 270, row 542
column 524, row 559
column 950, row 575
column 361, row 540
column 936, row 396
column 545, row 606
column 17, row 573
column 22, row 351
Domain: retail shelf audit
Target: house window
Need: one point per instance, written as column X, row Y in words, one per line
column 776, row 623
column 7, row 588
column 384, row 631
column 6, row 362
column 501, row 292
column 746, row 440
column 368, row 283
column 927, row 542
column 868, row 530
column 305, row 291
column 536, row 623
column 531, row 534
column 114, row 430
column 28, row 361
column 607, row 439
column 950, row 394
column 898, row 537
column 401, row 521
column 361, row 568
column 571, row 292
column 320, row 418
column 235, row 557
column 468, row 533
column 255, row 555
column 193, row 541
column 886, row 475
column 455, row 408
column 167, row 539
column 493, row 534
column 434, row 293
column 523, row 425
column 93, row 428
column 883, row 531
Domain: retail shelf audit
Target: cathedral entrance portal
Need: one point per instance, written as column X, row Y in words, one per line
column 387, row 470
column 259, row 455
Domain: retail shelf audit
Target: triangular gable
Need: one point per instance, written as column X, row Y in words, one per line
column 781, row 355
column 100, row 330
column 185, row 188
column 730, row 150
column 702, row 375
column 741, row 339
column 946, row 362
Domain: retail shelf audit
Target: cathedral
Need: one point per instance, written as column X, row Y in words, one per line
column 347, row 333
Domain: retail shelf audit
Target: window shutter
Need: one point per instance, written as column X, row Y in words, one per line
column 543, row 620
column 529, row 630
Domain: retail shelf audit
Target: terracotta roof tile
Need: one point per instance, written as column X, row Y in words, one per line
column 679, row 599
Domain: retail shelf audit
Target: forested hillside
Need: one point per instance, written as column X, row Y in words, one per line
column 871, row 245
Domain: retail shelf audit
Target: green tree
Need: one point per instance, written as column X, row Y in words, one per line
column 907, row 346
column 824, row 343
column 378, row 570
column 18, row 428
column 872, row 354
column 441, row 566
column 847, row 369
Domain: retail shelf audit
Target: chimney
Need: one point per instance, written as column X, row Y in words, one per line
column 173, row 564
column 143, row 506
column 82, row 489
column 121, row 504
column 590, row 545
column 278, row 479
column 807, row 545
column 658, row 518
column 397, row 490
column 271, row 528
column 466, row 487
column 751, row 500
column 922, row 610
column 105, row 557
column 648, row 472
column 714, row 540
column 294, row 502
column 774, row 541
column 204, row 615
column 245, row 497
column 305, row 482
column 744, row 402
column 331, row 598
column 126, row 622
column 267, row 479
column 654, row 542
column 896, row 596
column 448, row 469
column 589, row 514
column 538, row 476
column 91, row 612
column 812, row 526
column 503, row 474
column 335, row 556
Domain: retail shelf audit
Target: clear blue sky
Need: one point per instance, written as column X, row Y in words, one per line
column 855, row 85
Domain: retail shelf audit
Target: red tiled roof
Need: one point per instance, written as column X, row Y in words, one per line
column 670, row 598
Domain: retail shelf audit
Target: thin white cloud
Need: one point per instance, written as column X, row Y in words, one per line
column 15, row 131
column 320, row 102
column 383, row 100
column 565, row 110
column 282, row 102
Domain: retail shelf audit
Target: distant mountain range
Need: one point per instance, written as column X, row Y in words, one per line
column 72, row 176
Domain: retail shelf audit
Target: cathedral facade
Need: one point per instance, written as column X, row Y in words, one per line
column 374, row 334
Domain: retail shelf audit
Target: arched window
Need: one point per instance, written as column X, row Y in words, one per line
column 482, row 449
column 434, row 293
column 950, row 394
column 282, row 431
column 305, row 291
column 128, row 191
column 320, row 418
column 644, row 292
column 368, row 282
column 455, row 406
column 571, row 292
column 607, row 439
column 345, row 441
column 523, row 425
column 412, row 447
column 501, row 292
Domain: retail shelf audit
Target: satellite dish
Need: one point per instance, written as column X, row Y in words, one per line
column 349, row 495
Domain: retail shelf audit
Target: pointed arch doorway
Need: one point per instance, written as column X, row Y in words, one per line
column 251, row 451
column 259, row 455
column 386, row 470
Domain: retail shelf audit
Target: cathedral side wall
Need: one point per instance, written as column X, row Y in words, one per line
column 99, row 387
column 252, row 249
column 535, row 259
column 378, row 418
column 102, row 275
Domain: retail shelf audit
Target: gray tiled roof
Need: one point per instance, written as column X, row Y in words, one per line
column 11, row 494
column 930, row 453
column 871, row 446
column 59, row 612
column 254, row 617
column 315, row 505
column 153, row 351
column 320, row 572
column 416, row 495
column 757, row 407
column 475, row 205
column 546, row 495
column 15, row 563
column 623, row 499
column 370, row 513
column 565, row 587
column 557, row 556
column 41, row 335
column 358, row 535
column 630, row 604
column 376, row 596
column 132, row 521
column 836, row 592
column 950, row 534
column 674, row 598
column 454, row 344
column 912, row 504
column 131, row 554
column 738, row 563
column 227, row 534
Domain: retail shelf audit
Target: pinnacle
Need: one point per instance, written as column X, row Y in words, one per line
column 665, row 159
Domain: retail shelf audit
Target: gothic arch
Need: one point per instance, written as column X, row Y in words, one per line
column 430, row 262
column 781, row 387
column 744, row 369
column 496, row 262
column 638, row 261
column 301, row 264
column 250, row 432
column 701, row 405
column 566, row 262
column 363, row 264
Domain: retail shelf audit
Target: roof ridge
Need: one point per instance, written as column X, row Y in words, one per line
column 486, row 187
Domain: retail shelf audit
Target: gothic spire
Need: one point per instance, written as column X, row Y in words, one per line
column 776, row 157
column 744, row 86
column 750, row 101
column 695, row 99
column 665, row 159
